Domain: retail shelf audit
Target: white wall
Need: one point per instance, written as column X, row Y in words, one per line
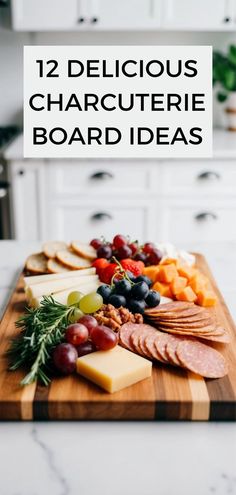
column 11, row 57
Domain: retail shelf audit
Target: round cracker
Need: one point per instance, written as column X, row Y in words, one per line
column 36, row 263
column 50, row 248
column 55, row 266
column 85, row 250
column 72, row 260
column 202, row 359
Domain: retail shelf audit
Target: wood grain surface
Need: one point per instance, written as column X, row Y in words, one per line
column 170, row 394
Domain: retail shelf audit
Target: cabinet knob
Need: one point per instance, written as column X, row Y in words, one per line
column 101, row 175
column 205, row 216
column 21, row 172
column 226, row 19
column 81, row 20
column 94, row 20
column 209, row 175
column 100, row 216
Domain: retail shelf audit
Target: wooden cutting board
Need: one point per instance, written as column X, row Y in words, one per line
column 170, row 394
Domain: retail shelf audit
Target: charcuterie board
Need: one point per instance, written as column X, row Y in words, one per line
column 169, row 394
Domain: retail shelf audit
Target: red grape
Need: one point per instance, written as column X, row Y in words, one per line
column 140, row 256
column 76, row 333
column 85, row 348
column 149, row 247
column 105, row 251
column 96, row 243
column 134, row 247
column 155, row 257
column 119, row 241
column 104, row 338
column 64, row 358
column 89, row 322
column 124, row 252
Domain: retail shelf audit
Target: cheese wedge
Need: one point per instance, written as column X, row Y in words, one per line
column 36, row 279
column 61, row 296
column 46, row 288
column 115, row 369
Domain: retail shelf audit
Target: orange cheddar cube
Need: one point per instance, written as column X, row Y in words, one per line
column 167, row 273
column 197, row 283
column 151, row 272
column 168, row 261
column 163, row 289
column 178, row 284
column 206, row 298
column 186, row 271
column 186, row 294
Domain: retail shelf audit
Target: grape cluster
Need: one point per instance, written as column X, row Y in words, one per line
column 82, row 338
column 122, row 248
column 131, row 292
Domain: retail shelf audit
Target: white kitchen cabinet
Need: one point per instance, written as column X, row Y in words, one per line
column 185, row 221
column 92, row 177
column 35, row 15
column 197, row 14
column 87, row 218
column 126, row 14
column 27, row 196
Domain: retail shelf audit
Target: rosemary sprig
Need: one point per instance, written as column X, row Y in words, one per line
column 42, row 329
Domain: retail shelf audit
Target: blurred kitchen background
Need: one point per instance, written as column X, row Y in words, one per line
column 184, row 201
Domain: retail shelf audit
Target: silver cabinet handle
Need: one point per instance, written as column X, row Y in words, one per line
column 101, row 175
column 205, row 215
column 100, row 216
column 209, row 175
column 3, row 192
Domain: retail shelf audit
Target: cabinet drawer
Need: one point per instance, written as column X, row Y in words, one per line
column 195, row 222
column 85, row 220
column 98, row 178
column 199, row 178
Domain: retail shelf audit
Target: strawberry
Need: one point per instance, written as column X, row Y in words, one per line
column 108, row 272
column 100, row 264
column 135, row 267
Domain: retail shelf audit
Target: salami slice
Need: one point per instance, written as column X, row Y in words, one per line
column 142, row 330
column 124, row 334
column 152, row 349
column 142, row 343
column 169, row 307
column 171, row 348
column 201, row 359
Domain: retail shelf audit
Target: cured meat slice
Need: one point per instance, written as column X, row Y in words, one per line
column 169, row 307
column 151, row 347
column 142, row 344
column 201, row 359
column 160, row 344
column 124, row 335
column 222, row 339
column 142, row 330
column 171, row 348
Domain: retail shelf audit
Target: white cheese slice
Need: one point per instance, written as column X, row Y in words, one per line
column 115, row 369
column 46, row 288
column 61, row 296
column 36, row 279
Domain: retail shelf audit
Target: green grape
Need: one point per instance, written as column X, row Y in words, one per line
column 91, row 302
column 76, row 315
column 74, row 298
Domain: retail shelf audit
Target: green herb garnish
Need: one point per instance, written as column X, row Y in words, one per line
column 43, row 329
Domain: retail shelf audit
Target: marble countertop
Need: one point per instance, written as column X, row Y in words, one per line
column 118, row 458
column 224, row 146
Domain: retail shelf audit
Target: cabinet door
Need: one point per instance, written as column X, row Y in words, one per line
column 195, row 14
column 88, row 219
column 186, row 222
column 41, row 15
column 27, row 200
column 125, row 14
